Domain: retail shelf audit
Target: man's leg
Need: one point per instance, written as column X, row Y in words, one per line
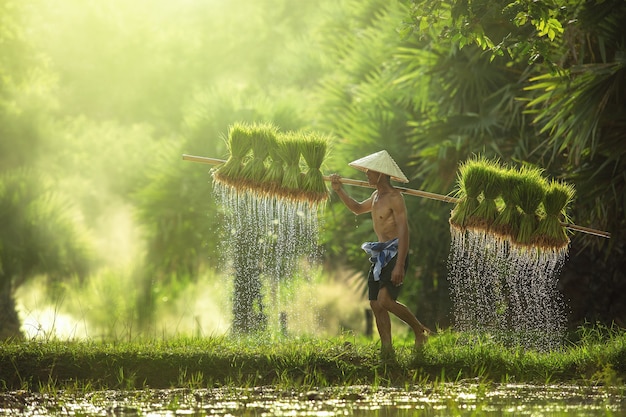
column 383, row 324
column 403, row 313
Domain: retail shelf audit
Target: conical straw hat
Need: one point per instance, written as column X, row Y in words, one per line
column 380, row 162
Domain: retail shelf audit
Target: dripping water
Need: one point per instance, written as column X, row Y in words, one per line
column 269, row 240
column 506, row 290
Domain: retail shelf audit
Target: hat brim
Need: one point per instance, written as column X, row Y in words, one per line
column 380, row 162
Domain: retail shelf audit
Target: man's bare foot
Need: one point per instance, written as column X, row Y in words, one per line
column 387, row 354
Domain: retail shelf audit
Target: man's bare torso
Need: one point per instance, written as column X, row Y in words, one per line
column 383, row 218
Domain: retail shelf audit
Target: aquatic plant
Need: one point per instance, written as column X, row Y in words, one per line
column 550, row 232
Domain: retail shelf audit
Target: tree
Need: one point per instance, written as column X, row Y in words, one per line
column 502, row 79
column 362, row 102
column 41, row 234
column 253, row 82
column 564, row 112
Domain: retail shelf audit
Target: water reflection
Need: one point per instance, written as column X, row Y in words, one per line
column 434, row 400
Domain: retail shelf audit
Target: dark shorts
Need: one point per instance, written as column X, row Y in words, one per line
column 385, row 280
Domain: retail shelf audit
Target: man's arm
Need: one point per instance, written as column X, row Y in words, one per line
column 400, row 217
column 354, row 206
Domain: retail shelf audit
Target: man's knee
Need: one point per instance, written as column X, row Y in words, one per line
column 376, row 306
column 384, row 299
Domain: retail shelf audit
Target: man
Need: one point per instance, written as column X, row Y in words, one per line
column 389, row 256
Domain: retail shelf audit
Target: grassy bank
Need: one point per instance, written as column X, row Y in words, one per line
column 597, row 357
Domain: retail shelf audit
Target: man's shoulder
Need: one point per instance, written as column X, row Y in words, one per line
column 396, row 200
column 395, row 193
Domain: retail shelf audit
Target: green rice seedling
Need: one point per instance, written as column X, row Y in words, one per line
column 550, row 233
column 273, row 178
column 289, row 150
column 313, row 149
column 262, row 135
column 469, row 183
column 507, row 222
column 530, row 191
column 238, row 142
column 490, row 175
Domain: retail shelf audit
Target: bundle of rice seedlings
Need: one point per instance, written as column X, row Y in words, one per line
column 289, row 151
column 529, row 194
column 262, row 135
column 550, row 233
column 313, row 149
column 490, row 175
column 238, row 143
column 469, row 187
column 273, row 178
column 507, row 222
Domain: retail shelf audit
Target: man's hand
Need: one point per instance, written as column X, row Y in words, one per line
column 335, row 181
column 397, row 275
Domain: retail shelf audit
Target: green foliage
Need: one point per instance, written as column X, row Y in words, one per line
column 42, row 231
column 503, row 28
column 363, row 103
column 169, row 226
column 454, row 84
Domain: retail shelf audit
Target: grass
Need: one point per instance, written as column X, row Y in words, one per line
column 597, row 357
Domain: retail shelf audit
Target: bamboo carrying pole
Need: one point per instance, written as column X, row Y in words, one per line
column 404, row 190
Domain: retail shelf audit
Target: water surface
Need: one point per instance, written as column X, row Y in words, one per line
column 460, row 399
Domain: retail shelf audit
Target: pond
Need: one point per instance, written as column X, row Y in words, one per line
column 459, row 399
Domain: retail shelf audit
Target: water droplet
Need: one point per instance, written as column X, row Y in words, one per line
column 506, row 290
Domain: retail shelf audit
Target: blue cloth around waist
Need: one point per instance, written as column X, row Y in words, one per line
column 380, row 254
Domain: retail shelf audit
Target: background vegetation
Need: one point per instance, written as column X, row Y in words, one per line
column 99, row 100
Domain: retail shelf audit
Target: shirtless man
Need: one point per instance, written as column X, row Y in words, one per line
column 389, row 217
